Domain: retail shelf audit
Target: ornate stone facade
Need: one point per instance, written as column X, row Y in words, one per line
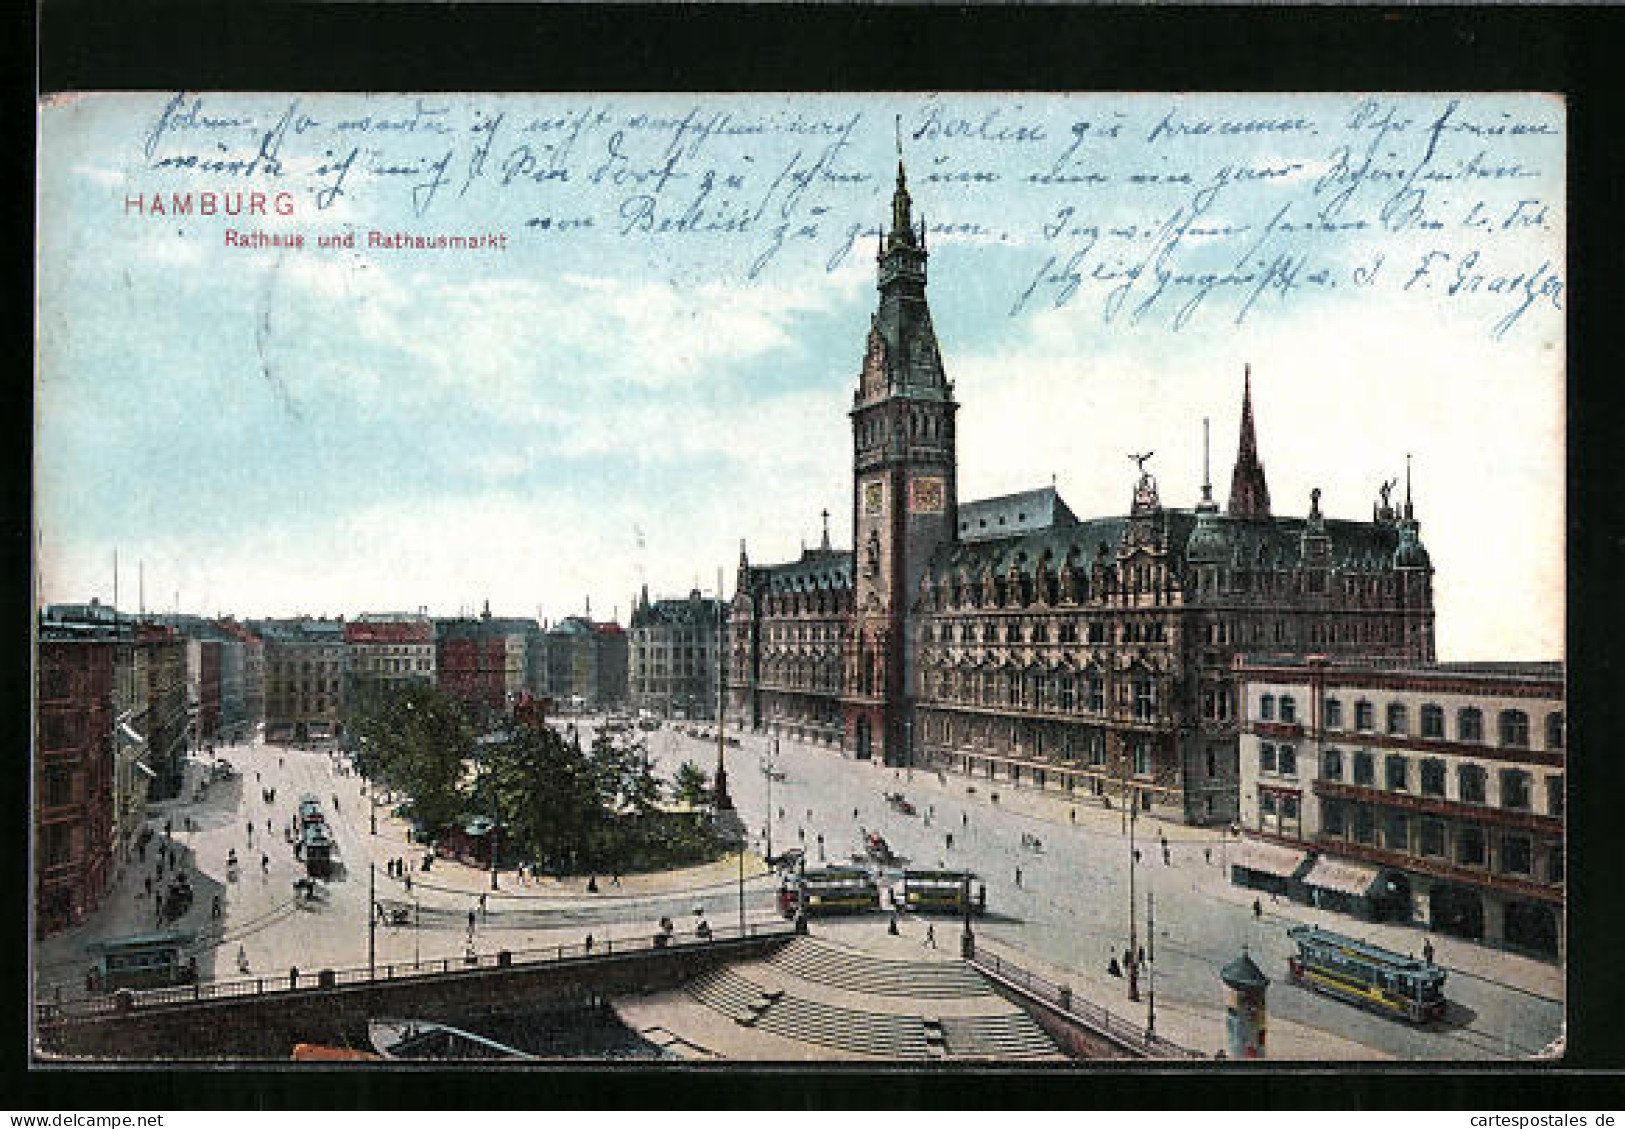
column 1009, row 640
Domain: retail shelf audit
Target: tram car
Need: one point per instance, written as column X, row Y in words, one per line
column 146, row 960
column 310, row 810
column 833, row 890
column 1364, row 974
column 942, row 891
column 318, row 850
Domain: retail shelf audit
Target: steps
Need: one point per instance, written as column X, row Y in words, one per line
column 995, row 1036
column 822, row 963
column 798, row 1015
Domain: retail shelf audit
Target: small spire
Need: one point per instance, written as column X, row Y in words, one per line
column 1410, row 514
column 825, row 544
column 1249, row 491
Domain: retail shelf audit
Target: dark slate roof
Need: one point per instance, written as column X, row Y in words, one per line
column 572, row 625
column 1243, row 973
column 817, row 569
column 1269, row 542
column 694, row 611
column 1013, row 513
column 1080, row 541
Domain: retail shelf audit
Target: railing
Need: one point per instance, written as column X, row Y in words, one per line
column 295, row 981
column 1089, row 1014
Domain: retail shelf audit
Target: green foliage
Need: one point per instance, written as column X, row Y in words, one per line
column 544, row 793
column 570, row 811
column 692, row 785
column 414, row 738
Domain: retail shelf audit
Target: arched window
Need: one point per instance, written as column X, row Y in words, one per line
column 1470, row 724
column 1396, row 717
column 1432, row 722
column 1514, row 729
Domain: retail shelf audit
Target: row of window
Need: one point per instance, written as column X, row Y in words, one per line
column 1471, row 779
column 1466, row 844
column 1029, row 691
column 1134, row 631
column 1512, row 725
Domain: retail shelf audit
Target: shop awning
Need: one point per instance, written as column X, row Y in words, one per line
column 1268, row 858
column 1342, row 876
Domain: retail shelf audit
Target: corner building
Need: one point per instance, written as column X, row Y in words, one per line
column 1008, row 640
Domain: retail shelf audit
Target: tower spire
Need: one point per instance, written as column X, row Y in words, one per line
column 1207, row 504
column 825, row 544
column 1249, row 492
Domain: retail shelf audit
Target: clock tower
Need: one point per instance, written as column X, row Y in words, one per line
column 904, row 493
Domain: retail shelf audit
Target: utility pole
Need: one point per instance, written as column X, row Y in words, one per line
column 722, row 801
column 772, row 764
column 372, row 920
column 1151, row 963
column 1133, row 969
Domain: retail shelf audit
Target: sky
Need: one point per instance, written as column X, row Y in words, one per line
column 655, row 358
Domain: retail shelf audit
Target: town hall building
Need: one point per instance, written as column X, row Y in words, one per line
column 1010, row 640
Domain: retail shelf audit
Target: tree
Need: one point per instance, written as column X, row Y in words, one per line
column 415, row 738
column 543, row 793
column 692, row 785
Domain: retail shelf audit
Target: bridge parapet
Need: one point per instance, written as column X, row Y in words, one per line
column 1085, row 1029
column 259, row 1017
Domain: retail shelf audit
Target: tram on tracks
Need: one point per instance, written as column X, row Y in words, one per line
column 942, row 891
column 1366, row 975
column 318, row 850
column 836, row 889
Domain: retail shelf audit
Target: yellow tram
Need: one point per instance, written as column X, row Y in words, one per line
column 1364, row 974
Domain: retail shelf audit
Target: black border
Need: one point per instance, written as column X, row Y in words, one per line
column 92, row 44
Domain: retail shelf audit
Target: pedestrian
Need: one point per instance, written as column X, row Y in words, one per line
column 471, row 923
column 931, row 936
column 242, row 960
column 1018, row 876
column 214, row 908
column 1074, row 815
column 587, row 944
column 1136, row 854
column 950, row 838
column 854, row 812
column 267, row 826
column 168, row 828
column 482, row 905
column 1113, row 968
column 1427, row 951
column 964, row 819
column 1167, row 860
column 1207, row 855
column 1258, row 909
column 265, row 863
column 149, row 886
column 408, row 883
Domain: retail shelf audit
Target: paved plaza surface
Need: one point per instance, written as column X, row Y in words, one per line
column 1068, row 913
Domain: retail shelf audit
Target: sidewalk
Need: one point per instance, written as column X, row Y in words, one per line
column 1202, row 855
column 451, row 877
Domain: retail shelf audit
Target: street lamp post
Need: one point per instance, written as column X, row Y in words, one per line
column 372, row 920
column 1151, row 964
column 1133, row 969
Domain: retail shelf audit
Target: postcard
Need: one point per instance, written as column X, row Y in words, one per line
column 981, row 579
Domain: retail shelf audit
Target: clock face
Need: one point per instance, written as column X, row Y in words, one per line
column 926, row 495
column 874, row 499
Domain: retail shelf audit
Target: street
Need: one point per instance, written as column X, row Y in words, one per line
column 1070, row 909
